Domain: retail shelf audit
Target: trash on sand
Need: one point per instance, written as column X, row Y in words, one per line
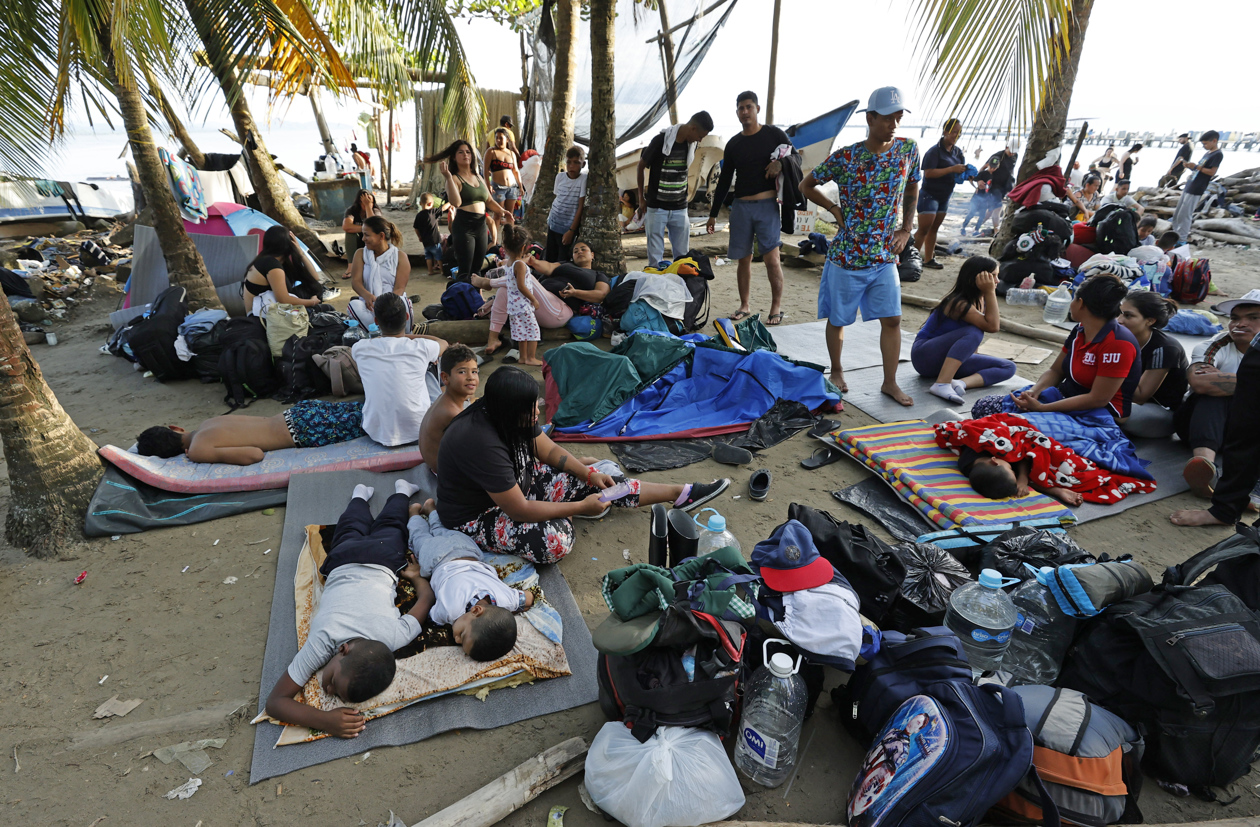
column 184, row 790
column 736, row 497
column 258, row 542
column 192, row 754
column 229, row 772
column 116, row 537
column 365, row 757
column 79, row 580
column 587, row 800
column 186, row 568
column 116, row 708
column 227, row 581
column 268, row 512
column 101, row 682
column 268, row 551
column 555, row 818
column 394, row 821
column 216, row 542
column 625, row 554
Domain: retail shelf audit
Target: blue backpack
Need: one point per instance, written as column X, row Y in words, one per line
column 901, row 668
column 461, row 300
column 945, row 757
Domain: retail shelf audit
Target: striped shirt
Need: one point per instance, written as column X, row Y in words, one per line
column 568, row 191
column 667, row 178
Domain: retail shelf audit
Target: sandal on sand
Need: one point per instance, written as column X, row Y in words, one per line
column 739, row 316
column 776, row 319
column 823, row 456
column 1199, row 472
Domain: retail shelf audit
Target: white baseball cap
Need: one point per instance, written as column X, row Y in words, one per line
column 1250, row 297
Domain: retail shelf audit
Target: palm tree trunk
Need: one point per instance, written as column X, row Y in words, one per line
column 183, row 263
column 600, row 227
column 560, row 125
column 1051, row 121
column 195, row 156
column 53, row 467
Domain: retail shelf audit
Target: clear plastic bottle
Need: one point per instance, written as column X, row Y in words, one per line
column 354, row 333
column 713, row 534
column 982, row 615
column 1057, row 305
column 1041, row 636
column 770, row 728
column 1030, row 297
column 374, row 331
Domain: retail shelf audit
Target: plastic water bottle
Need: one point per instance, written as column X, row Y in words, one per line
column 713, row 534
column 354, row 333
column 770, row 729
column 1031, row 297
column 1041, row 636
column 1057, row 305
column 374, row 331
column 982, row 615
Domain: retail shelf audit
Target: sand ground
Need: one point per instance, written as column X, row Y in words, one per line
column 182, row 640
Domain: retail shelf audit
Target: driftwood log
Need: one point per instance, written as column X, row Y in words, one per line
column 475, row 332
column 1226, row 238
column 513, row 790
column 1043, row 334
column 1234, row 226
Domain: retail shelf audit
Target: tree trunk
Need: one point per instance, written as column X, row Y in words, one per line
column 194, row 153
column 1051, row 120
column 53, row 467
column 183, row 263
column 774, row 62
column 600, row 227
column 560, row 125
column 325, row 135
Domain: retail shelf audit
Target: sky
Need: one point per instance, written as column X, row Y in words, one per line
column 1131, row 74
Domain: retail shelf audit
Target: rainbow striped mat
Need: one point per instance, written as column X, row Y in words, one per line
column 926, row 475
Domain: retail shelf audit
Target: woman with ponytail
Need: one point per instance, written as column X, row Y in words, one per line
column 1164, row 364
column 378, row 267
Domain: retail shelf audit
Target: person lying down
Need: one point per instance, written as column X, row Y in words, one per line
column 1003, row 456
column 357, row 627
column 245, row 440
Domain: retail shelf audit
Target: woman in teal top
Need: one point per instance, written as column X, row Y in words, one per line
column 466, row 190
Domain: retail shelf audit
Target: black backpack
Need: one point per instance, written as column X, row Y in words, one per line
column 152, row 339
column 247, row 372
column 209, row 345
column 617, row 302
column 300, row 378
column 1117, row 232
column 1182, row 663
column 652, row 688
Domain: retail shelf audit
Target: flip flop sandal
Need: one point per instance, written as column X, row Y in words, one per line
column 776, row 319
column 1200, row 473
column 823, row 456
column 739, row 316
column 824, row 427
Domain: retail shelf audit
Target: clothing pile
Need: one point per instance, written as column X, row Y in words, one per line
column 1042, row 233
column 1124, row 267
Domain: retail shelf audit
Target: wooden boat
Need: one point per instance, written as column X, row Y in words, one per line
column 42, row 201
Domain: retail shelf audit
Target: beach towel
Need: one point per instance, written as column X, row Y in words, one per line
column 437, row 670
column 1092, row 434
column 1012, row 438
column 905, row 454
column 183, row 476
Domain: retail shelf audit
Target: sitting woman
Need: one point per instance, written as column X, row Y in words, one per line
column 1088, row 198
column 378, row 267
column 363, row 208
column 504, row 483
column 280, row 274
column 945, row 349
column 1164, row 365
column 1099, row 366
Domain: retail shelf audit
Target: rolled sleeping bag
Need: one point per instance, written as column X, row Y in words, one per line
column 1085, row 589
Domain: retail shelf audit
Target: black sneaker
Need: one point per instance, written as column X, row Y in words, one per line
column 933, row 264
column 702, row 492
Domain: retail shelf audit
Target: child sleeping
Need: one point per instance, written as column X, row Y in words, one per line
column 1003, row 456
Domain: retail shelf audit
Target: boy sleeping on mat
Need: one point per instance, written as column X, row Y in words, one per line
column 357, row 628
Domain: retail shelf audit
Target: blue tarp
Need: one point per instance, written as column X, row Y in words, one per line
column 714, row 389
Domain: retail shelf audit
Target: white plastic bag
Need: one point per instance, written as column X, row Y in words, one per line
column 680, row 778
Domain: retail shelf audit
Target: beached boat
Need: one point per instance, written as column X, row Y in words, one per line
column 41, row 201
column 813, row 139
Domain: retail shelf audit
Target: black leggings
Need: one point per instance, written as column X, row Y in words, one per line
column 470, row 238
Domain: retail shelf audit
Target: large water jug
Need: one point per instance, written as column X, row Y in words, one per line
column 374, row 331
column 1057, row 305
column 982, row 615
column 714, row 534
column 770, row 728
column 1041, row 636
column 354, row 333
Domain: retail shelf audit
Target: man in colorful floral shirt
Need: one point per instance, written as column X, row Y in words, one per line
column 878, row 180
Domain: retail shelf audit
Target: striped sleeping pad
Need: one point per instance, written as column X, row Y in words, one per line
column 926, row 475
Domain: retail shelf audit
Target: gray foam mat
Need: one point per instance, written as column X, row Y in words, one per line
column 1166, row 456
column 807, row 343
column 319, row 498
column 864, row 394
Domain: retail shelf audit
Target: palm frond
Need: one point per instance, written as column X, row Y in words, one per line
column 986, row 58
column 434, row 43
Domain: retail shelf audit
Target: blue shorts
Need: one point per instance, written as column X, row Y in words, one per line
column 314, row 423
column 929, row 203
column 433, row 252
column 761, row 220
column 503, row 194
column 876, row 291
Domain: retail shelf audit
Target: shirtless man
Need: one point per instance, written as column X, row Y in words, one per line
column 460, row 378
column 244, row 440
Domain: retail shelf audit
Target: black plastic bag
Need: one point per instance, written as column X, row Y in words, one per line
column 875, row 499
column 932, row 574
column 1037, row 548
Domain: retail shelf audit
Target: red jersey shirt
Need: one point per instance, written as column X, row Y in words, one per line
column 1113, row 353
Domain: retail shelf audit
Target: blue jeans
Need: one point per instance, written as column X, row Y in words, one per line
column 656, row 222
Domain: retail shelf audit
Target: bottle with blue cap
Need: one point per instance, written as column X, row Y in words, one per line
column 354, row 333
column 714, row 534
column 374, row 331
column 983, row 617
column 1042, row 633
column 770, row 727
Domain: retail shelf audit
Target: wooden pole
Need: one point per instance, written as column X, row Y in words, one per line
column 389, row 162
column 1080, row 139
column 1031, row 332
column 325, row 134
column 514, row 789
column 667, row 44
column 774, row 62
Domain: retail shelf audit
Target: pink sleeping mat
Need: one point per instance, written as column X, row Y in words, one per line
column 181, row 476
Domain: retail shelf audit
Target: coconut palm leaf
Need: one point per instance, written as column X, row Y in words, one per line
column 990, row 57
